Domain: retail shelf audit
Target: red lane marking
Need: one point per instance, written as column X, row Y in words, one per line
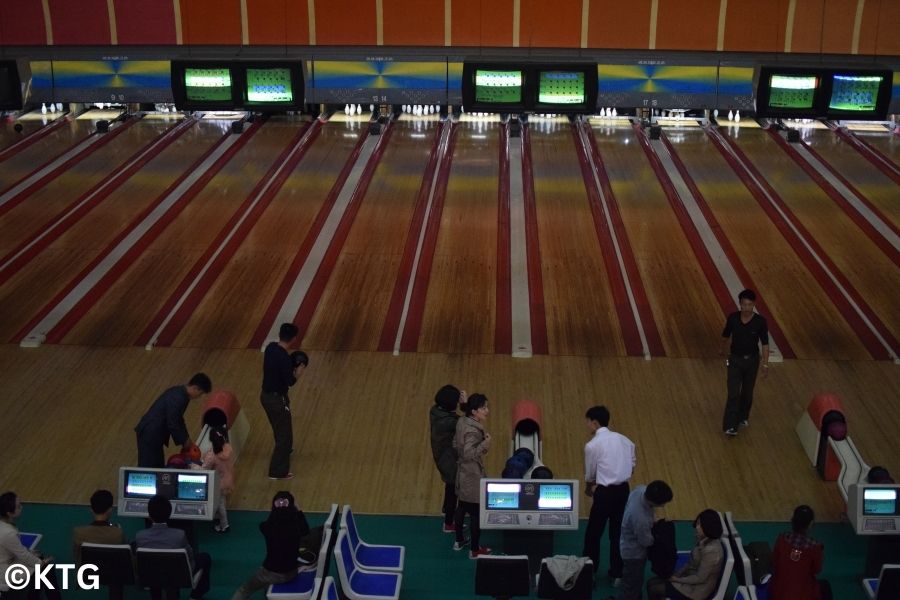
column 872, row 154
column 34, row 136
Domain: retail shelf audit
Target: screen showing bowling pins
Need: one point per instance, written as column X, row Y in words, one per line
column 792, row 91
column 269, row 85
column 561, row 87
column 855, row 93
column 498, row 87
column 207, row 85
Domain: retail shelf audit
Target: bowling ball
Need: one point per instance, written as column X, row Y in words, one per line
column 194, row 455
column 176, row 461
column 542, row 473
column 299, row 358
column 18, row 127
column 837, row 431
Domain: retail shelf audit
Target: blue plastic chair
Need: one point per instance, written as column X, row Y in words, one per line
column 371, row 556
column 302, row 587
column 329, row 589
column 362, row 584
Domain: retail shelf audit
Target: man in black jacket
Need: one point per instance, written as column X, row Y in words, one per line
column 443, row 418
column 165, row 419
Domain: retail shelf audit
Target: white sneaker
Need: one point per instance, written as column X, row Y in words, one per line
column 460, row 545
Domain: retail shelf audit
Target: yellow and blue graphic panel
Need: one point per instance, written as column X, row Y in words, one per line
column 655, row 84
column 894, row 108
column 380, row 81
column 40, row 87
column 113, row 80
column 454, row 82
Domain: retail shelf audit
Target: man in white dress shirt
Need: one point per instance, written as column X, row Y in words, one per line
column 609, row 460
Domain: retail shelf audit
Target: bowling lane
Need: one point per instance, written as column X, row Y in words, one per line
column 42, row 206
column 9, row 135
column 44, row 150
column 460, row 310
column 121, row 314
column 686, row 311
column 353, row 308
column 886, row 143
column 867, row 268
column 580, row 309
column 229, row 314
column 42, row 278
column 790, row 290
column 865, row 177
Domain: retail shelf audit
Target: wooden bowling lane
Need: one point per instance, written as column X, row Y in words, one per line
column 886, row 143
column 791, row 292
column 877, row 187
column 39, row 208
column 580, row 309
column 460, row 309
column 868, row 269
column 9, row 135
column 120, row 315
column 43, row 151
column 354, row 305
column 50, row 271
column 686, row 311
column 232, row 309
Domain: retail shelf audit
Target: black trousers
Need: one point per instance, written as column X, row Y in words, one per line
column 741, row 380
column 608, row 505
column 150, row 455
column 471, row 509
column 201, row 561
column 449, row 502
column 278, row 410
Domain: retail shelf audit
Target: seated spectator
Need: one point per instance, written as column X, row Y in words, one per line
column 160, row 536
column 100, row 531
column 12, row 552
column 796, row 560
column 698, row 578
column 283, row 530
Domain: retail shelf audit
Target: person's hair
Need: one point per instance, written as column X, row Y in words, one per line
column 599, row 414
column 217, row 437
column 202, row 381
column 284, row 512
column 101, row 501
column 879, row 475
column 287, row 332
column 748, row 295
column 658, row 493
column 542, row 472
column 159, row 508
column 299, row 358
column 710, row 523
column 447, row 397
column 473, row 403
column 7, row 504
column 802, row 519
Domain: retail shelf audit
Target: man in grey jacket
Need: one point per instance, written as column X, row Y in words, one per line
column 636, row 537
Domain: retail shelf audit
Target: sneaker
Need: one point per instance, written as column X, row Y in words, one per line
column 451, row 528
column 460, row 545
column 745, row 423
column 288, row 476
column 615, row 581
column 732, row 431
column 220, row 529
column 479, row 552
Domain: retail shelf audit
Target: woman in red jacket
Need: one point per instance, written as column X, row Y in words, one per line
column 796, row 561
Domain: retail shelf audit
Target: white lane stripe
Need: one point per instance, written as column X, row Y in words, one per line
column 808, row 247
column 224, row 244
column 55, row 164
column 518, row 254
column 719, row 258
column 59, row 220
column 442, row 150
column 310, row 267
column 848, row 195
column 604, row 203
column 37, row 335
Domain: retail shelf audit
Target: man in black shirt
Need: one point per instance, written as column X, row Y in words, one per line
column 279, row 374
column 165, row 419
column 747, row 330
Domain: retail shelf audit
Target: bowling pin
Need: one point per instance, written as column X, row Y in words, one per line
column 730, row 116
column 371, row 108
column 716, row 113
column 359, row 109
column 346, row 109
column 737, row 115
column 43, row 109
column 615, row 112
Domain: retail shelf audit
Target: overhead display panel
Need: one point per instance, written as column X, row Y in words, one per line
column 205, row 85
column 276, row 86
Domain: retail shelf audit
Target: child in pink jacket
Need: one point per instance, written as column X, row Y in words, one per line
column 221, row 459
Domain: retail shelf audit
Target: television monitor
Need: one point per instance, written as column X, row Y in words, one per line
column 790, row 92
column 10, row 86
column 493, row 86
column 879, row 501
column 192, row 486
column 277, row 85
column 547, row 504
column 566, row 88
column 140, row 484
column 204, row 86
column 859, row 94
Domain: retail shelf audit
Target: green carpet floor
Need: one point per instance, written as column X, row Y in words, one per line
column 433, row 571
